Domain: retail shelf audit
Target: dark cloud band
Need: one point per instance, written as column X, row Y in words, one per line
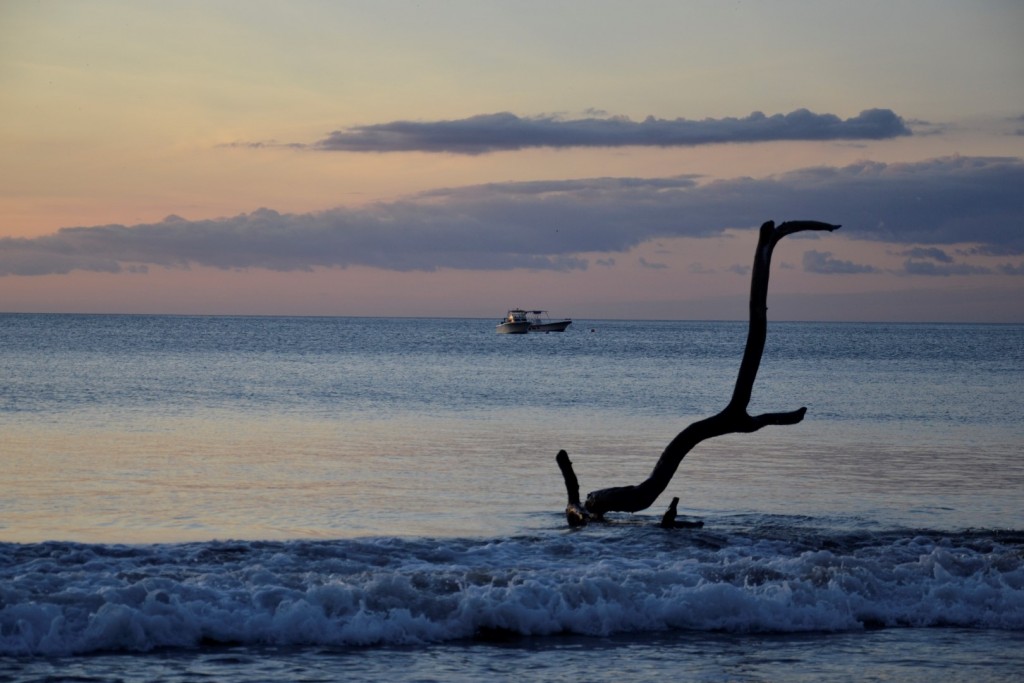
column 548, row 225
column 505, row 131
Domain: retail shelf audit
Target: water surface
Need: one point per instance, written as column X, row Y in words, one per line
column 296, row 497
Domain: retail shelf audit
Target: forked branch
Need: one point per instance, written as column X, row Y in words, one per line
column 732, row 419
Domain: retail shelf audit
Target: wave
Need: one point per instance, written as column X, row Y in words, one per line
column 61, row 598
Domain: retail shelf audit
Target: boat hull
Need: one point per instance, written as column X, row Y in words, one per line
column 558, row 326
column 513, row 328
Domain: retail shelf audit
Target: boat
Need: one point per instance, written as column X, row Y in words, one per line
column 515, row 322
column 541, row 322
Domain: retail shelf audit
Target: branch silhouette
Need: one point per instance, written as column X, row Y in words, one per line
column 734, row 418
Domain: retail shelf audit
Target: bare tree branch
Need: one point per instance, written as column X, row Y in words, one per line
column 732, row 419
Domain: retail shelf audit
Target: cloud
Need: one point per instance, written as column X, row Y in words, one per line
column 990, row 250
column 929, row 268
column 550, row 224
column 946, row 201
column 263, row 144
column 505, row 131
column 932, row 253
column 653, row 265
column 823, row 262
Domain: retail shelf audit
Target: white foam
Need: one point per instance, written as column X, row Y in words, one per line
column 63, row 598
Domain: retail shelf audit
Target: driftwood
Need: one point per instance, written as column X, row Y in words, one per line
column 732, row 419
column 669, row 521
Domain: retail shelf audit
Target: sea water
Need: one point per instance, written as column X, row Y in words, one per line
column 365, row 499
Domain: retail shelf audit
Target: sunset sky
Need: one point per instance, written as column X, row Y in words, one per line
column 459, row 158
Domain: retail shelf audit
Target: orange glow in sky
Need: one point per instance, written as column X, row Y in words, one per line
column 462, row 158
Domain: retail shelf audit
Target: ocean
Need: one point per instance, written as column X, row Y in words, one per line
column 309, row 499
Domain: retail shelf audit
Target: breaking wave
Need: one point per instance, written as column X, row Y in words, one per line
column 65, row 598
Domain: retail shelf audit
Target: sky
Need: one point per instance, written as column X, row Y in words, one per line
column 459, row 158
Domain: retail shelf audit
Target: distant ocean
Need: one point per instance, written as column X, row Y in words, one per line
column 309, row 499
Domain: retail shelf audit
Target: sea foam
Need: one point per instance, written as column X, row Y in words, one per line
column 65, row 598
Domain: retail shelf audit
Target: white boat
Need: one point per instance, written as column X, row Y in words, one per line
column 514, row 323
column 541, row 322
